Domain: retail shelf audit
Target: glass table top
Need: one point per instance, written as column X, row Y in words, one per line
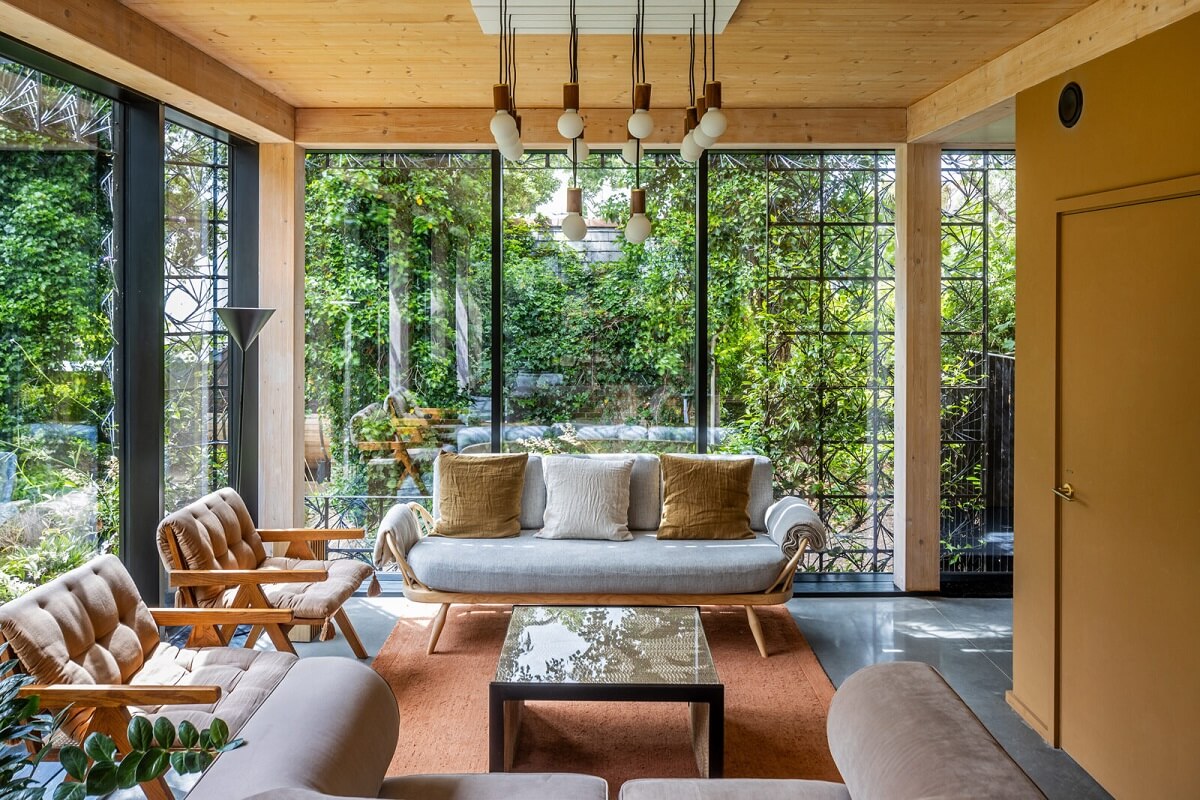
column 605, row 645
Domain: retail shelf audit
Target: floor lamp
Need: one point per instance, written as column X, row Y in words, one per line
column 243, row 325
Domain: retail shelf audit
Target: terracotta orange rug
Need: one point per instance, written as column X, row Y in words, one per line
column 775, row 708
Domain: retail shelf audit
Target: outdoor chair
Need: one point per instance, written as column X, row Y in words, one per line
column 216, row 558
column 92, row 647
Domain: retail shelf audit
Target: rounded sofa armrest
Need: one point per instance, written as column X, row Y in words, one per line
column 792, row 521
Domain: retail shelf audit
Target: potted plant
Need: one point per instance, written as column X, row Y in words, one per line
column 96, row 768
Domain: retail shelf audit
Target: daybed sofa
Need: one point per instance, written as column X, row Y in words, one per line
column 644, row 571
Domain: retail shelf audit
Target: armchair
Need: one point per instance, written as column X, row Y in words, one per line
column 92, row 646
column 216, row 558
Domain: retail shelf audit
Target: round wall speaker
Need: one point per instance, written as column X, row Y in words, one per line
column 1070, row 105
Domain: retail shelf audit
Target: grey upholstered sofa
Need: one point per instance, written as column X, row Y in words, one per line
column 644, row 571
column 897, row 731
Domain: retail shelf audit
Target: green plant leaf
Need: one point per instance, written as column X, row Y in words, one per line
column 70, row 791
column 99, row 748
column 74, row 761
column 204, row 758
column 127, row 770
column 189, row 736
column 102, row 777
column 179, row 762
column 141, row 733
column 219, row 732
column 153, row 764
column 164, row 733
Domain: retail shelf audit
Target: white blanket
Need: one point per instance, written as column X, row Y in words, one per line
column 399, row 527
column 791, row 519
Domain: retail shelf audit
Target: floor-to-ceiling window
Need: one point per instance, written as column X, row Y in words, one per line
column 801, row 316
column 196, row 348
column 397, row 323
column 978, row 338
column 598, row 334
column 58, row 467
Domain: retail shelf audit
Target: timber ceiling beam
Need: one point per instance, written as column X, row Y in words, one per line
column 987, row 94
column 371, row 128
column 105, row 37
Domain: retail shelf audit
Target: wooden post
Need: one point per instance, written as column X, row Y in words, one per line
column 281, row 345
column 918, row 367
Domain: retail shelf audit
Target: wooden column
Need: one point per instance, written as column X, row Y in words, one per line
column 918, row 367
column 281, row 345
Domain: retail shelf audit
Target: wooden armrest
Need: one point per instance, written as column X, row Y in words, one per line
column 108, row 695
column 222, row 616
column 225, row 577
column 309, row 534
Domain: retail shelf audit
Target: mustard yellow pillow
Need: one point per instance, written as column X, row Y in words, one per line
column 705, row 498
column 479, row 497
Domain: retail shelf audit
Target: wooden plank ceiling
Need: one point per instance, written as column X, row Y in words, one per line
column 775, row 53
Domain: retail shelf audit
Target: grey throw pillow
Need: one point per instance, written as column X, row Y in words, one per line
column 586, row 498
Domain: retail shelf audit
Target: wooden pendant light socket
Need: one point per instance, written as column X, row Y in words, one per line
column 712, row 94
column 637, row 201
column 693, row 119
column 700, row 108
column 574, row 200
column 570, row 97
column 641, row 96
column 518, row 121
column 500, row 97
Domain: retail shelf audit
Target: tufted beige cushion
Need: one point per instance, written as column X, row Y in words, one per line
column 215, row 532
column 246, row 678
column 315, row 600
column 88, row 625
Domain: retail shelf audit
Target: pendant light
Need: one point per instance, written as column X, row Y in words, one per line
column 713, row 123
column 702, row 139
column 689, row 151
column 573, row 225
column 570, row 124
column 506, row 122
column 641, row 124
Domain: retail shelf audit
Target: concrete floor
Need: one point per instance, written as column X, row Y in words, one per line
column 969, row 641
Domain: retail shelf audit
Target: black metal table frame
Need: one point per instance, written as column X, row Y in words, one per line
column 502, row 696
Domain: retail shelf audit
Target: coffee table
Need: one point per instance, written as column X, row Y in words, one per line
column 638, row 654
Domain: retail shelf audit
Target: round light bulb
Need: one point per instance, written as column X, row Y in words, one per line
column 631, row 151
column 512, row 150
column 503, row 126
column 641, row 124
column 579, row 152
column 713, row 123
column 638, row 229
column 702, row 139
column 689, row 150
column 574, row 228
column 570, row 124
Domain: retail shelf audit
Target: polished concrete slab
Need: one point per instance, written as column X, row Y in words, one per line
column 969, row 640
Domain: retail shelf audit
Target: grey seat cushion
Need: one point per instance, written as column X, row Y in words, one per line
column 732, row 789
column 928, row 736
column 496, row 786
column 643, row 565
column 330, row 726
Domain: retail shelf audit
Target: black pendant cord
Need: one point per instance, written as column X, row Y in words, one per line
column 704, row 43
column 642, row 39
column 714, row 40
column 633, row 68
column 512, row 61
column 692, row 62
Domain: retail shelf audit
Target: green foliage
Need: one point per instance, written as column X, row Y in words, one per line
column 96, row 768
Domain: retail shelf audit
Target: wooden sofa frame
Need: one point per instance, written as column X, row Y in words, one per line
column 779, row 592
column 250, row 594
column 110, row 703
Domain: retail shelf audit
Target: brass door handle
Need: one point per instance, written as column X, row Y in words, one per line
column 1066, row 492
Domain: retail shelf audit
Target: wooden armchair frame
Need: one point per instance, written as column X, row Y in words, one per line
column 778, row 593
column 110, row 703
column 250, row 595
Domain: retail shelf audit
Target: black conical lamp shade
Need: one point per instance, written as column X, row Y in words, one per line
column 244, row 324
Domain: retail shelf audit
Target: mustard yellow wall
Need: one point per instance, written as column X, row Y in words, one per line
column 1140, row 123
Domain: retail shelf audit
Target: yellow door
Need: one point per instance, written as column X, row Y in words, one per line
column 1129, row 446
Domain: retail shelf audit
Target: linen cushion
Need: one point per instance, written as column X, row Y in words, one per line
column 495, row 786
column 586, row 498
column 731, row 789
column 319, row 599
column 643, row 565
column 705, row 498
column 215, row 532
column 480, row 496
